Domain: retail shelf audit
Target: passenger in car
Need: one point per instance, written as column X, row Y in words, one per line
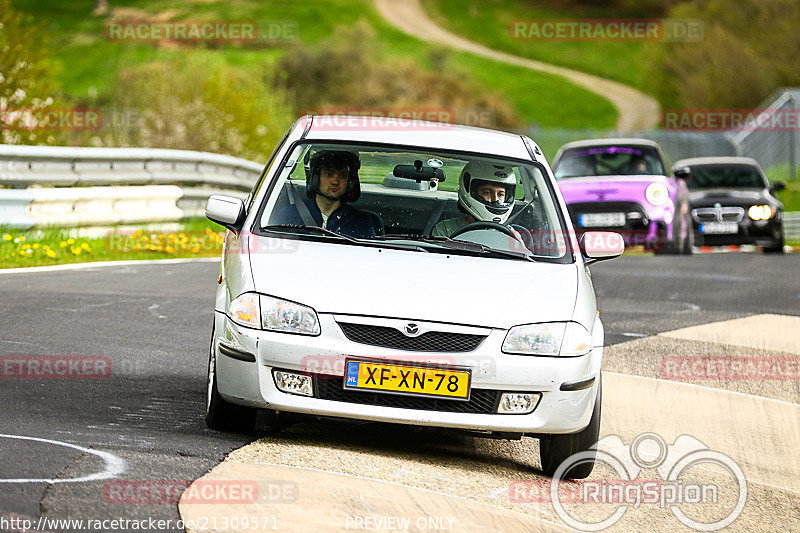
column 485, row 193
column 331, row 183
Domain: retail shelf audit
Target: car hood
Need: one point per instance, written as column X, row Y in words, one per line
column 739, row 197
column 345, row 279
column 608, row 188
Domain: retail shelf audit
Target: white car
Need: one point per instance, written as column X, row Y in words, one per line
column 372, row 313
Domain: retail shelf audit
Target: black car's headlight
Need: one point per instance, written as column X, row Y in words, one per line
column 760, row 212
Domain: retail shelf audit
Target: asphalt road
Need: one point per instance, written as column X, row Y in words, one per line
column 153, row 322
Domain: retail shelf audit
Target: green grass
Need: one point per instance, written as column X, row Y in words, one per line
column 55, row 246
column 88, row 63
column 489, row 23
column 790, row 196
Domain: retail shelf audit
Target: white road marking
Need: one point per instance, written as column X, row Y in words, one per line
column 115, row 466
column 155, row 313
column 98, row 264
column 634, row 335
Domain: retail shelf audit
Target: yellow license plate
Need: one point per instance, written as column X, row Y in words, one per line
column 409, row 379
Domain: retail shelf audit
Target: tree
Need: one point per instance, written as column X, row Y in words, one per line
column 25, row 73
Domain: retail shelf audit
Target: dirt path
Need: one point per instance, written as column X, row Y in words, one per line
column 637, row 111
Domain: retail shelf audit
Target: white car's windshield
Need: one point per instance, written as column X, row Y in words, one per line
column 409, row 198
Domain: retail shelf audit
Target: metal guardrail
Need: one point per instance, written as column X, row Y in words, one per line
column 55, row 185
column 791, row 225
column 23, row 166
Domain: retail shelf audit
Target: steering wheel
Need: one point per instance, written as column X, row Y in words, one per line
column 474, row 226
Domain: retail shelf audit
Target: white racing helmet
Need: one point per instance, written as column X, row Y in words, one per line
column 477, row 173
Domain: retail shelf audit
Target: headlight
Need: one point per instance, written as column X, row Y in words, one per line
column 281, row 315
column 244, row 310
column 265, row 312
column 657, row 194
column 760, row 212
column 567, row 339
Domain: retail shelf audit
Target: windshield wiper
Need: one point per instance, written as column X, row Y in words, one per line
column 311, row 229
column 456, row 244
column 324, row 231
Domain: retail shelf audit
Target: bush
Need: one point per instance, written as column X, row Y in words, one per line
column 348, row 71
column 750, row 48
column 195, row 103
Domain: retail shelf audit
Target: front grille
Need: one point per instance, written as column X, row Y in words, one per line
column 482, row 401
column 718, row 214
column 430, row 341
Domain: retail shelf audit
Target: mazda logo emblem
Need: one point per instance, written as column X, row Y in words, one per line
column 411, row 330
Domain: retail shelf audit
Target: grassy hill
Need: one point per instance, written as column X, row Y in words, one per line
column 488, row 22
column 89, row 65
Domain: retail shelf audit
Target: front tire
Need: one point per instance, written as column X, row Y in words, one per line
column 220, row 413
column 555, row 449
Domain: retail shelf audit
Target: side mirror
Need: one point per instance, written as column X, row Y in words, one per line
column 684, row 173
column 778, row 186
column 226, row 210
column 599, row 245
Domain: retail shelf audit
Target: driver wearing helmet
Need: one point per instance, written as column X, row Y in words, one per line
column 485, row 193
column 331, row 182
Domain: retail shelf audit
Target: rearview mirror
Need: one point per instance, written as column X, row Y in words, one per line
column 779, row 186
column 418, row 172
column 599, row 245
column 226, row 210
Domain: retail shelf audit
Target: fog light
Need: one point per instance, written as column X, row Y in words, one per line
column 293, row 383
column 515, row 403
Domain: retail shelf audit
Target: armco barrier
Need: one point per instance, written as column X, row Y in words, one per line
column 54, row 185
column 791, row 225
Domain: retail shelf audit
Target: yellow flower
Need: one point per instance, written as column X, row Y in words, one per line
column 63, row 244
column 70, row 241
column 170, row 249
column 75, row 250
column 26, row 246
column 85, row 246
column 13, row 254
column 36, row 246
column 195, row 250
column 7, row 237
column 51, row 254
column 138, row 232
column 137, row 246
column 22, row 238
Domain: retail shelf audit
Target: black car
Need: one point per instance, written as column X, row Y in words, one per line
column 732, row 202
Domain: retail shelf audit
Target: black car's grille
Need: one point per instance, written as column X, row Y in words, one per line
column 718, row 214
column 482, row 401
column 431, row 341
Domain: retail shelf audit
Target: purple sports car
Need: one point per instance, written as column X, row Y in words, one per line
column 623, row 185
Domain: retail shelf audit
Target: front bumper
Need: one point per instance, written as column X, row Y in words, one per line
column 759, row 233
column 651, row 227
column 251, row 383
